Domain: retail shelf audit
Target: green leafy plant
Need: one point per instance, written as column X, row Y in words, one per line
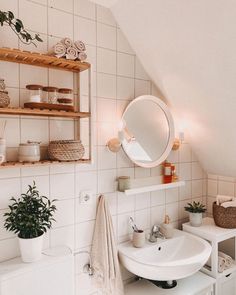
column 195, row 207
column 7, row 17
column 31, row 215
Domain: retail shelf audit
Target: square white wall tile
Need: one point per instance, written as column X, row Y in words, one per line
column 140, row 73
column 125, row 88
column 85, row 8
column 158, row 198
column 142, row 87
column 106, row 85
column 106, row 61
column 185, row 153
column 63, row 236
column 9, row 187
column 61, row 129
column 41, row 182
column 104, row 15
column 86, row 181
column 185, row 171
column 106, row 36
column 142, row 219
column 172, row 195
column 157, row 215
column 226, row 188
column 106, row 159
column 33, row 75
column 142, row 201
column 85, row 30
column 10, row 72
column 123, row 44
column 62, row 5
column 125, row 203
column 62, row 186
column 65, row 214
column 197, row 172
column 54, row 18
column 36, row 20
column 197, row 188
column 106, row 110
column 39, row 132
column 84, row 233
column 85, row 212
column 125, row 65
column 106, row 181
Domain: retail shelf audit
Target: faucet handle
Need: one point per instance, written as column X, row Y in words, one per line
column 155, row 228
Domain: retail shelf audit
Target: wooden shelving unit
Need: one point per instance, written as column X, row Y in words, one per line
column 44, row 113
column 47, row 61
column 40, row 163
column 42, row 60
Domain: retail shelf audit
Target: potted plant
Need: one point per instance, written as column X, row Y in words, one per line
column 30, row 216
column 195, row 210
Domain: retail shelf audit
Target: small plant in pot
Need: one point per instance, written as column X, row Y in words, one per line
column 30, row 216
column 195, row 210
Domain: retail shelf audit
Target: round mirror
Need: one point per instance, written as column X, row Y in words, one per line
column 147, row 133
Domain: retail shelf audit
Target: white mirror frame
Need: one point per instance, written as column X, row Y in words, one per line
column 170, row 120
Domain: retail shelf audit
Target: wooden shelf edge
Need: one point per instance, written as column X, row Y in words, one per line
column 42, row 60
column 13, row 164
column 44, row 113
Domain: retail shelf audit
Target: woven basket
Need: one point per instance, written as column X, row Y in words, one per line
column 65, row 150
column 224, row 217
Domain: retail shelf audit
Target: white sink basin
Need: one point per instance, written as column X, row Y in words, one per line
column 171, row 259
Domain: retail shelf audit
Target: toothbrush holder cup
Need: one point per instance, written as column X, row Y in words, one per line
column 138, row 239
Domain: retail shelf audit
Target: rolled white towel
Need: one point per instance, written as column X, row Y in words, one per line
column 221, row 199
column 221, row 263
column 229, row 204
column 67, row 42
column 80, row 46
column 82, row 56
column 71, row 53
column 58, row 50
column 228, row 259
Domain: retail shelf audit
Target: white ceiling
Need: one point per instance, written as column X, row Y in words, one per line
column 188, row 48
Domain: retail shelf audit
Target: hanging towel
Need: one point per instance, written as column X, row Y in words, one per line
column 221, row 199
column 104, row 254
column 228, row 259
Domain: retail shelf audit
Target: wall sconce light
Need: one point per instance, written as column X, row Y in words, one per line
column 114, row 145
column 178, row 141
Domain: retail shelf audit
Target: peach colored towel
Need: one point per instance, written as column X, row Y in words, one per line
column 104, row 254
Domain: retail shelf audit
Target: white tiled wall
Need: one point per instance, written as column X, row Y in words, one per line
column 219, row 185
column 118, row 77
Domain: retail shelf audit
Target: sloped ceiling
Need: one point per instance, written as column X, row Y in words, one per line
column 188, row 48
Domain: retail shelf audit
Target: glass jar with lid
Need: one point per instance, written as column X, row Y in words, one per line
column 50, row 94
column 65, row 96
column 35, row 92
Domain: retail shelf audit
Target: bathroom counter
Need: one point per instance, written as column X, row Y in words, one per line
column 197, row 284
column 209, row 231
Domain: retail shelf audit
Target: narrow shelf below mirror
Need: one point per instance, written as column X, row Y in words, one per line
column 150, row 184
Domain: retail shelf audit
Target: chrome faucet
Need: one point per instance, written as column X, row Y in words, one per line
column 155, row 234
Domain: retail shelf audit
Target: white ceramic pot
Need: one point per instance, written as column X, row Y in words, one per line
column 195, row 219
column 31, row 249
column 29, row 152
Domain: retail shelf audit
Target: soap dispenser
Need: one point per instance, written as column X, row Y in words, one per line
column 166, row 228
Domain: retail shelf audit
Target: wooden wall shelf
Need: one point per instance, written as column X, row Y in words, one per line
column 44, row 113
column 42, row 60
column 40, row 163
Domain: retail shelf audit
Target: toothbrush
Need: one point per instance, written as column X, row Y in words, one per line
column 134, row 226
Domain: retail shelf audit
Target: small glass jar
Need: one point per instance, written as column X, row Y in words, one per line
column 50, row 94
column 35, row 92
column 65, row 96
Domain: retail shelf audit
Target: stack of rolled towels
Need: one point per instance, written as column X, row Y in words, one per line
column 224, row 261
column 68, row 49
column 226, row 201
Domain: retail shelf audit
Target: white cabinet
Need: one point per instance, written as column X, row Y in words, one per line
column 197, row 284
column 225, row 281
